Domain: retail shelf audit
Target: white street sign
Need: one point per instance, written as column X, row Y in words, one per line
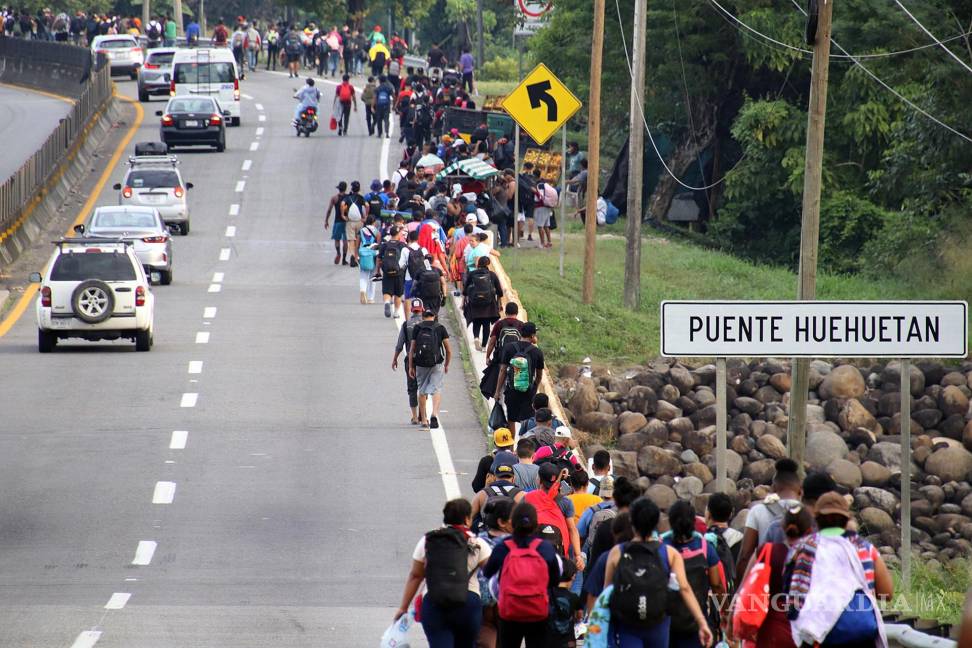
column 815, row 329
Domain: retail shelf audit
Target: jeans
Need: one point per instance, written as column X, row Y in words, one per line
column 169, row 42
column 345, row 118
column 365, row 284
column 333, row 58
column 251, row 55
column 453, row 627
column 513, row 633
column 381, row 119
column 631, row 637
column 272, row 56
column 370, row 119
column 349, row 62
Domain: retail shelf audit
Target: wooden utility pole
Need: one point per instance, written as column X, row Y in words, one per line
column 810, row 229
column 146, row 15
column 481, row 37
column 202, row 20
column 177, row 16
column 636, row 147
column 593, row 152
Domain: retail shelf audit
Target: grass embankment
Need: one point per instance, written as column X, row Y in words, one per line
column 612, row 335
column 936, row 592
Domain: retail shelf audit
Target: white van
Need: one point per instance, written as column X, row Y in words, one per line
column 209, row 72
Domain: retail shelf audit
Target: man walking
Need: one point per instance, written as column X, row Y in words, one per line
column 428, row 362
column 521, row 367
column 170, row 31
column 405, row 336
column 393, row 256
column 339, row 233
column 368, row 99
column 382, row 106
column 353, row 207
column 345, row 95
column 467, row 63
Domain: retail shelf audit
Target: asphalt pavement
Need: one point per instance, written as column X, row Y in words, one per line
column 253, row 480
column 27, row 118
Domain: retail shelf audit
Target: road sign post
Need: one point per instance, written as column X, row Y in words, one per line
column 906, row 473
column 562, row 201
column 722, row 433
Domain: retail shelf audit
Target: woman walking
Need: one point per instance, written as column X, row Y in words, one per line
column 483, row 293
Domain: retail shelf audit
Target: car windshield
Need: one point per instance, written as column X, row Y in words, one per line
column 153, row 178
column 204, row 73
column 163, row 58
column 117, row 43
column 192, row 106
column 80, row 266
column 134, row 220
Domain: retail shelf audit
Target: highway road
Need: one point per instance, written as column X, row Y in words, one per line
column 267, row 404
column 27, row 118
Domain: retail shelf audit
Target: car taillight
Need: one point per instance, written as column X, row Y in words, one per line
column 93, row 251
column 46, row 296
column 155, row 239
column 179, row 193
column 127, row 192
column 172, row 88
column 137, row 49
column 102, row 51
column 151, row 66
column 215, row 119
column 140, row 296
column 167, row 120
column 236, row 89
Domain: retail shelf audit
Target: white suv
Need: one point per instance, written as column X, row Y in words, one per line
column 94, row 289
column 155, row 181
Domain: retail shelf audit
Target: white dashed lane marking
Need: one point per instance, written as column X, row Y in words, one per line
column 117, row 601
column 259, row 131
column 164, row 492
column 179, row 438
column 195, row 366
column 258, row 106
column 240, row 184
column 246, row 165
column 218, row 277
column 86, row 639
column 254, row 146
column 262, row 118
column 231, row 230
column 234, row 210
column 189, row 399
column 202, row 337
column 144, row 552
column 224, row 254
column 215, row 288
column 209, row 312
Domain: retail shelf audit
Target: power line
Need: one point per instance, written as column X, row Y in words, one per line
column 932, row 36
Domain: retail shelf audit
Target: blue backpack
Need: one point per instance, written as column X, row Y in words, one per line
column 366, row 254
column 856, row 624
column 384, row 97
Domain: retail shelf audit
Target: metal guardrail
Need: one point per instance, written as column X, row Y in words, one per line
column 907, row 637
column 17, row 191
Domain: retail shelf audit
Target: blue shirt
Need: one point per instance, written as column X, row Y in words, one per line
column 192, row 31
column 308, row 95
column 466, row 61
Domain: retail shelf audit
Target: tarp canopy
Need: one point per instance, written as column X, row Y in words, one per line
column 472, row 167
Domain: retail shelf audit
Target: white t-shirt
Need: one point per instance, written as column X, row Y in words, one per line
column 761, row 515
column 480, row 553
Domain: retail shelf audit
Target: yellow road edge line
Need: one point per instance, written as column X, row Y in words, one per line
column 31, row 290
column 44, row 93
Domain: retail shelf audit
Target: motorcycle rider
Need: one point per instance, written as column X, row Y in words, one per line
column 308, row 96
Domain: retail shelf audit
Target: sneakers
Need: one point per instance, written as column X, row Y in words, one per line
column 478, row 344
column 388, row 309
column 434, row 423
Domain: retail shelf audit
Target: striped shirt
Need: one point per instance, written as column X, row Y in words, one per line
column 800, row 565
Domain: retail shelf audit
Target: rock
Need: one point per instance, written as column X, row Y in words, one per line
column 867, row 496
column 768, row 394
column 815, row 414
column 669, row 393
column 569, row 372
column 632, row 442
column 761, row 472
column 630, row 422
column 619, row 385
column 642, row 399
column 887, row 454
column 844, row 381
column 771, row 446
column 689, row 487
column 625, row 464
column 700, row 441
column 967, row 436
column 655, row 462
column 953, row 426
column 892, row 374
column 687, row 405
column 953, row 401
column 657, row 432
column 951, row 464
column 682, row 378
column 705, row 375
column 953, row 378
column 703, row 397
column 874, row 520
column 647, row 378
column 927, row 418
column 706, row 416
column 585, row 398
column 748, row 405
column 688, row 457
column 667, row 411
column 921, row 508
column 781, row 381
column 682, row 425
column 921, row 454
column 860, row 437
column 854, row 415
column 605, row 407
column 874, row 474
column 742, row 444
column 699, row 470
column 603, row 427
column 967, row 505
column 947, row 523
column 663, row 496
column 823, row 448
column 845, row 473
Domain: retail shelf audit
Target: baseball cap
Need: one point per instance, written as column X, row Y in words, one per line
column 607, row 486
column 428, row 312
column 355, row 185
column 562, row 431
column 503, row 438
column 503, row 458
column 832, row 503
column 503, row 469
column 454, row 132
column 375, row 185
column 342, row 186
column 416, row 305
column 471, row 218
column 549, row 472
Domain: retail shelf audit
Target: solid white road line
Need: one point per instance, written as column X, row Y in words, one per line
column 234, row 210
column 179, row 438
column 164, row 492
column 189, row 399
column 246, row 165
column 215, row 288
column 240, row 184
column 224, row 254
column 259, row 131
column 262, row 118
column 195, row 366
column 231, row 230
column 209, row 312
column 202, row 337
column 117, row 601
column 246, row 96
column 144, row 552
column 258, row 106
column 87, row 639
column 254, row 146
column 218, row 277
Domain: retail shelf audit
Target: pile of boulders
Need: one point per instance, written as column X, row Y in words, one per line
column 659, row 422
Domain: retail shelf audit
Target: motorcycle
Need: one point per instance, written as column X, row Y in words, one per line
column 307, row 122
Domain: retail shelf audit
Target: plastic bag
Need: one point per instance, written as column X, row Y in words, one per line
column 333, row 124
column 752, row 600
column 396, row 636
column 497, row 418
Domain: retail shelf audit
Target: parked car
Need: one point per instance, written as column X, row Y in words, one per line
column 124, row 53
column 155, row 181
column 94, row 289
column 143, row 227
column 191, row 121
column 155, row 75
column 208, row 72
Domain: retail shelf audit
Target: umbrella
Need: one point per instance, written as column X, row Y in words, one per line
column 431, row 162
column 472, row 167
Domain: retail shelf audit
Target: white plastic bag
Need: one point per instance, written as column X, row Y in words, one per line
column 396, row 636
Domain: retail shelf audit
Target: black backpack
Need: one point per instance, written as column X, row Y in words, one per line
column 416, row 263
column 292, row 45
column 640, row 585
column 428, row 349
column 153, row 31
column 481, row 291
column 397, row 51
column 697, row 573
column 499, row 491
column 389, row 259
column 506, row 335
column 375, row 205
column 429, row 287
column 423, row 116
column 446, row 567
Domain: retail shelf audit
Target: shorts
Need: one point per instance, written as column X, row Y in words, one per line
column 293, row 58
column 339, row 231
column 394, row 286
column 352, row 228
column 430, row 379
column 541, row 216
column 519, row 405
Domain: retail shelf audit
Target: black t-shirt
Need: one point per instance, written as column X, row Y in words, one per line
column 533, row 353
column 441, row 334
column 485, row 463
column 436, row 57
column 355, row 199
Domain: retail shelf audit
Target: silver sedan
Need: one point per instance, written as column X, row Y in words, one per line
column 141, row 225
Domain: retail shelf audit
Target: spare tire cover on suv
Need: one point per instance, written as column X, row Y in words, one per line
column 93, row 301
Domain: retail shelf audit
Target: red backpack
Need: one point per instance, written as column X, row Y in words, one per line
column 549, row 514
column 523, row 583
column 345, row 93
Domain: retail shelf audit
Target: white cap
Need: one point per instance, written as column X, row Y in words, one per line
column 471, row 218
column 562, row 431
column 483, row 216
